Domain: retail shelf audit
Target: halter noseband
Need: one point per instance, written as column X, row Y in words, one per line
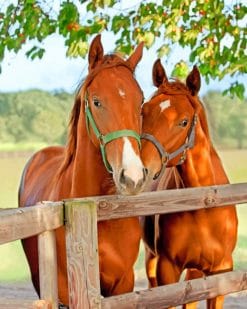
column 107, row 138
column 166, row 156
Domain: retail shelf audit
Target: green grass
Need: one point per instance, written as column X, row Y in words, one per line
column 13, row 265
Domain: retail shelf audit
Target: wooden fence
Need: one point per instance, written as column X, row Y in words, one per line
column 80, row 217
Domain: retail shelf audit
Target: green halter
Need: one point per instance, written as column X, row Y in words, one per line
column 104, row 139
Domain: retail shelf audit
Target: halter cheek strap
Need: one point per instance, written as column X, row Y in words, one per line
column 107, row 138
column 166, row 156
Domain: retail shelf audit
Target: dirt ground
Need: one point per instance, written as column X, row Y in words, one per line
column 26, row 291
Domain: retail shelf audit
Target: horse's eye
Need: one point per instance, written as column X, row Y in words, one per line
column 96, row 102
column 183, row 123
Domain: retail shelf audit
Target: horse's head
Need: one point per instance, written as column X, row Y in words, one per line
column 169, row 120
column 112, row 101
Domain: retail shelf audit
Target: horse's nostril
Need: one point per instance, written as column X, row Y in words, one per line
column 145, row 173
column 122, row 177
column 132, row 181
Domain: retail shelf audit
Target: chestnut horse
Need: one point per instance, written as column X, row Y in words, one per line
column 176, row 134
column 104, row 136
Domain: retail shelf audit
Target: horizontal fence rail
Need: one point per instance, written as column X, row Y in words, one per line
column 179, row 293
column 19, row 223
column 167, row 201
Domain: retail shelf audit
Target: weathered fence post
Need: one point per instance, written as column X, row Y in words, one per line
column 82, row 255
column 48, row 267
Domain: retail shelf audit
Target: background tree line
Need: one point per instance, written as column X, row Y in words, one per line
column 36, row 116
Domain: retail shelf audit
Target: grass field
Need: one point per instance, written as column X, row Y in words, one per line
column 13, row 266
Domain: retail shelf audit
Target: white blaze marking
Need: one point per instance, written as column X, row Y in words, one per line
column 132, row 163
column 165, row 104
column 122, row 93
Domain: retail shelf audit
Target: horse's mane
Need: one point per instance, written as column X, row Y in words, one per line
column 176, row 87
column 109, row 61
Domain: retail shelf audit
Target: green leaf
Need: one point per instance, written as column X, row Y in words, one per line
column 44, row 29
column 35, row 52
column 163, row 50
column 77, row 49
column 91, row 7
column 236, row 89
column 1, row 52
column 181, row 70
column 68, row 15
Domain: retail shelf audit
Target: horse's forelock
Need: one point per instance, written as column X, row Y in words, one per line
column 173, row 87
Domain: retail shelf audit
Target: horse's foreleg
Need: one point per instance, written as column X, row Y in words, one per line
column 225, row 266
column 30, row 246
column 151, row 267
column 192, row 273
column 215, row 303
column 167, row 272
column 125, row 284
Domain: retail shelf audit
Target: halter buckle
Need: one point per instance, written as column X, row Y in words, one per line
column 165, row 158
column 183, row 156
column 101, row 140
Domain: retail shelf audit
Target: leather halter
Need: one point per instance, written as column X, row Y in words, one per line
column 107, row 138
column 166, row 156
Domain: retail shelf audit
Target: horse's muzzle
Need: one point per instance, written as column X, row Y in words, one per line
column 130, row 185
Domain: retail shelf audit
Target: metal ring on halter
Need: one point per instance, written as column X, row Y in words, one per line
column 183, row 157
column 165, row 158
column 101, row 140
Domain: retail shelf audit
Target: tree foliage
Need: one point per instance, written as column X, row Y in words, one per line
column 214, row 30
column 34, row 116
column 228, row 120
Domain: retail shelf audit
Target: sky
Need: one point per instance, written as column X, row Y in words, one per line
column 57, row 72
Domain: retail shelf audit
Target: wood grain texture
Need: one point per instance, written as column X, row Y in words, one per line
column 168, row 201
column 179, row 293
column 48, row 267
column 20, row 223
column 82, row 255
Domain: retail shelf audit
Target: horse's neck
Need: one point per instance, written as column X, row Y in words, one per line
column 202, row 166
column 89, row 175
column 220, row 174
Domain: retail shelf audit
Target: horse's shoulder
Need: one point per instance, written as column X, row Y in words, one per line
column 46, row 155
column 44, row 163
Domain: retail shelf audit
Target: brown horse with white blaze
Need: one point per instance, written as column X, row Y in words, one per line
column 102, row 156
column 176, row 134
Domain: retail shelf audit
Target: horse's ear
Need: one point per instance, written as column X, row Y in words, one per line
column 96, row 53
column 159, row 74
column 136, row 56
column 193, row 81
